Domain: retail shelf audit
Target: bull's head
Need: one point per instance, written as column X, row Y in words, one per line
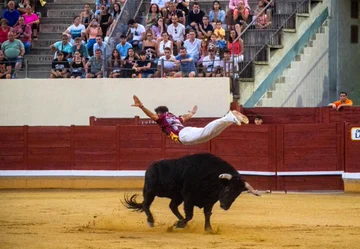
column 233, row 186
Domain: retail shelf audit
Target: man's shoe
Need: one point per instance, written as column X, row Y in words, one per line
column 241, row 117
column 234, row 118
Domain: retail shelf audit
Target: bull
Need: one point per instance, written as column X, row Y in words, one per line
column 197, row 180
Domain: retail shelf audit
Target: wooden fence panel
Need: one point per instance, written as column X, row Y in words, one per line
column 352, row 149
column 12, row 148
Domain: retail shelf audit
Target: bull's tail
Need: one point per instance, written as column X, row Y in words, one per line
column 130, row 203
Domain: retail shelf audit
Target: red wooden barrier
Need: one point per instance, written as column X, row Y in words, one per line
column 13, row 148
column 352, row 150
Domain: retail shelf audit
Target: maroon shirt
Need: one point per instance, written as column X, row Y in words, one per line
column 171, row 125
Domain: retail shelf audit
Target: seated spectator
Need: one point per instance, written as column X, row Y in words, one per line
column 186, row 63
column 203, row 50
column 150, row 46
column 153, row 16
column 77, row 66
column 216, row 14
column 94, row 67
column 241, row 17
column 263, row 21
column 212, row 65
column 75, row 30
column 136, row 33
column 5, row 67
column 103, row 46
column 86, row 16
column 81, row 48
column 219, row 32
column 32, row 20
column 142, row 66
column 123, row 47
column 105, row 19
column 192, row 46
column 22, row 6
column 258, row 120
column 11, row 14
column 195, row 17
column 122, row 26
column 92, row 31
column 204, row 29
column 344, row 101
column 173, row 11
column 163, row 5
column 4, row 30
column 114, row 64
column 183, row 5
column 177, row 32
column 63, row 46
column 236, row 47
column 14, row 51
column 99, row 3
column 165, row 43
column 59, row 67
column 167, row 62
column 116, row 11
column 233, row 5
column 270, row 8
column 129, row 62
column 23, row 33
column 158, row 29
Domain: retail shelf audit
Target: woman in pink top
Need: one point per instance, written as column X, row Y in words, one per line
column 32, row 20
column 4, row 30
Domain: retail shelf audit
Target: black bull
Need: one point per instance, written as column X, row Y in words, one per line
column 197, row 180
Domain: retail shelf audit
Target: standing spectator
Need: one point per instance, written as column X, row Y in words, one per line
column 236, row 46
column 11, row 14
column 158, row 29
column 192, row 46
column 4, row 30
column 186, row 63
column 94, row 67
column 103, row 46
column 86, row 16
column 216, row 14
column 344, row 101
column 136, row 33
column 173, row 11
column 177, row 32
column 241, row 16
column 166, row 61
column 204, row 29
column 32, row 20
column 105, row 19
column 165, row 43
column 77, row 66
column 153, row 16
column 14, row 51
column 142, row 66
column 129, row 62
column 5, row 67
column 92, row 31
column 116, row 11
column 212, row 65
column 63, row 46
column 258, row 120
column 114, row 64
column 59, row 67
column 81, row 48
column 123, row 47
column 195, row 16
column 23, row 33
column 76, row 30
column 233, row 4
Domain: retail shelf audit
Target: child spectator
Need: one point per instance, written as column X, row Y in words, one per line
column 344, row 101
column 204, row 29
column 216, row 14
column 77, row 66
column 136, row 33
column 79, row 47
column 104, row 19
column 11, row 14
column 165, row 43
column 75, row 30
column 263, row 21
column 166, row 61
column 32, row 20
column 219, row 32
column 4, row 30
column 114, row 64
column 158, row 29
column 129, row 62
column 23, row 33
column 94, row 67
column 86, row 16
column 142, row 66
column 258, row 120
column 62, row 46
column 186, row 63
column 60, row 67
column 5, row 67
column 123, row 47
column 153, row 16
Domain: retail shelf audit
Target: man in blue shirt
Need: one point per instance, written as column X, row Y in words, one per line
column 123, row 46
column 11, row 14
column 187, row 65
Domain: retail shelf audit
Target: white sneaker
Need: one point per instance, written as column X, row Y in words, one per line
column 241, row 117
column 232, row 118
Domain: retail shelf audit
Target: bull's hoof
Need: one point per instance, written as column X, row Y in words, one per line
column 151, row 224
column 208, row 230
column 180, row 224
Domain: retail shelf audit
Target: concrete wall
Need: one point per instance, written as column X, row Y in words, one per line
column 68, row 102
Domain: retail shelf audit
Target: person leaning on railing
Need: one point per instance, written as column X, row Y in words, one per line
column 343, row 101
column 185, row 63
column 166, row 64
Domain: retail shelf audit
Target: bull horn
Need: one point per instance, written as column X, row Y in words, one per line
column 225, row 176
column 251, row 189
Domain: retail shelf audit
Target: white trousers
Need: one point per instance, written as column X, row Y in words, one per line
column 195, row 135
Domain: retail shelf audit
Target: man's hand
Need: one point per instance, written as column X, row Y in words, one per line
column 137, row 102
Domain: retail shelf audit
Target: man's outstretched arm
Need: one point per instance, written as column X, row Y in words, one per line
column 190, row 114
column 137, row 103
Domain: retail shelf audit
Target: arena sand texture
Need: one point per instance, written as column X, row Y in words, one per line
column 96, row 219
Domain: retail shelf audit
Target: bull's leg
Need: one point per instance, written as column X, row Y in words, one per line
column 174, row 204
column 148, row 199
column 207, row 213
column 189, row 212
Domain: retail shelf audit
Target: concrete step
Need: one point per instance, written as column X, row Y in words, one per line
column 54, row 28
column 70, row 1
column 41, row 51
column 73, row 5
column 56, row 20
column 43, row 43
column 40, row 58
column 63, row 13
column 56, row 36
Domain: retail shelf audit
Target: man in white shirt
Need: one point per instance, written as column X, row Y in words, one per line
column 136, row 33
column 103, row 46
column 177, row 31
column 212, row 64
column 192, row 46
column 166, row 61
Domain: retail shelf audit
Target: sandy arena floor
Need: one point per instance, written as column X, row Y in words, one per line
column 96, row 219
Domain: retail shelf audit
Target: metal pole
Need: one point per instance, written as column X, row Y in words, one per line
column 26, row 68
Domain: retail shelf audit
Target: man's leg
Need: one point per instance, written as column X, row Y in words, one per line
column 194, row 135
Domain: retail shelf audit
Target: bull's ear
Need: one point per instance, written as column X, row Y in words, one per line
column 225, row 176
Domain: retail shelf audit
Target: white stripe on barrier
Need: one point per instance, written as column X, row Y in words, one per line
column 309, row 173
column 351, row 176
